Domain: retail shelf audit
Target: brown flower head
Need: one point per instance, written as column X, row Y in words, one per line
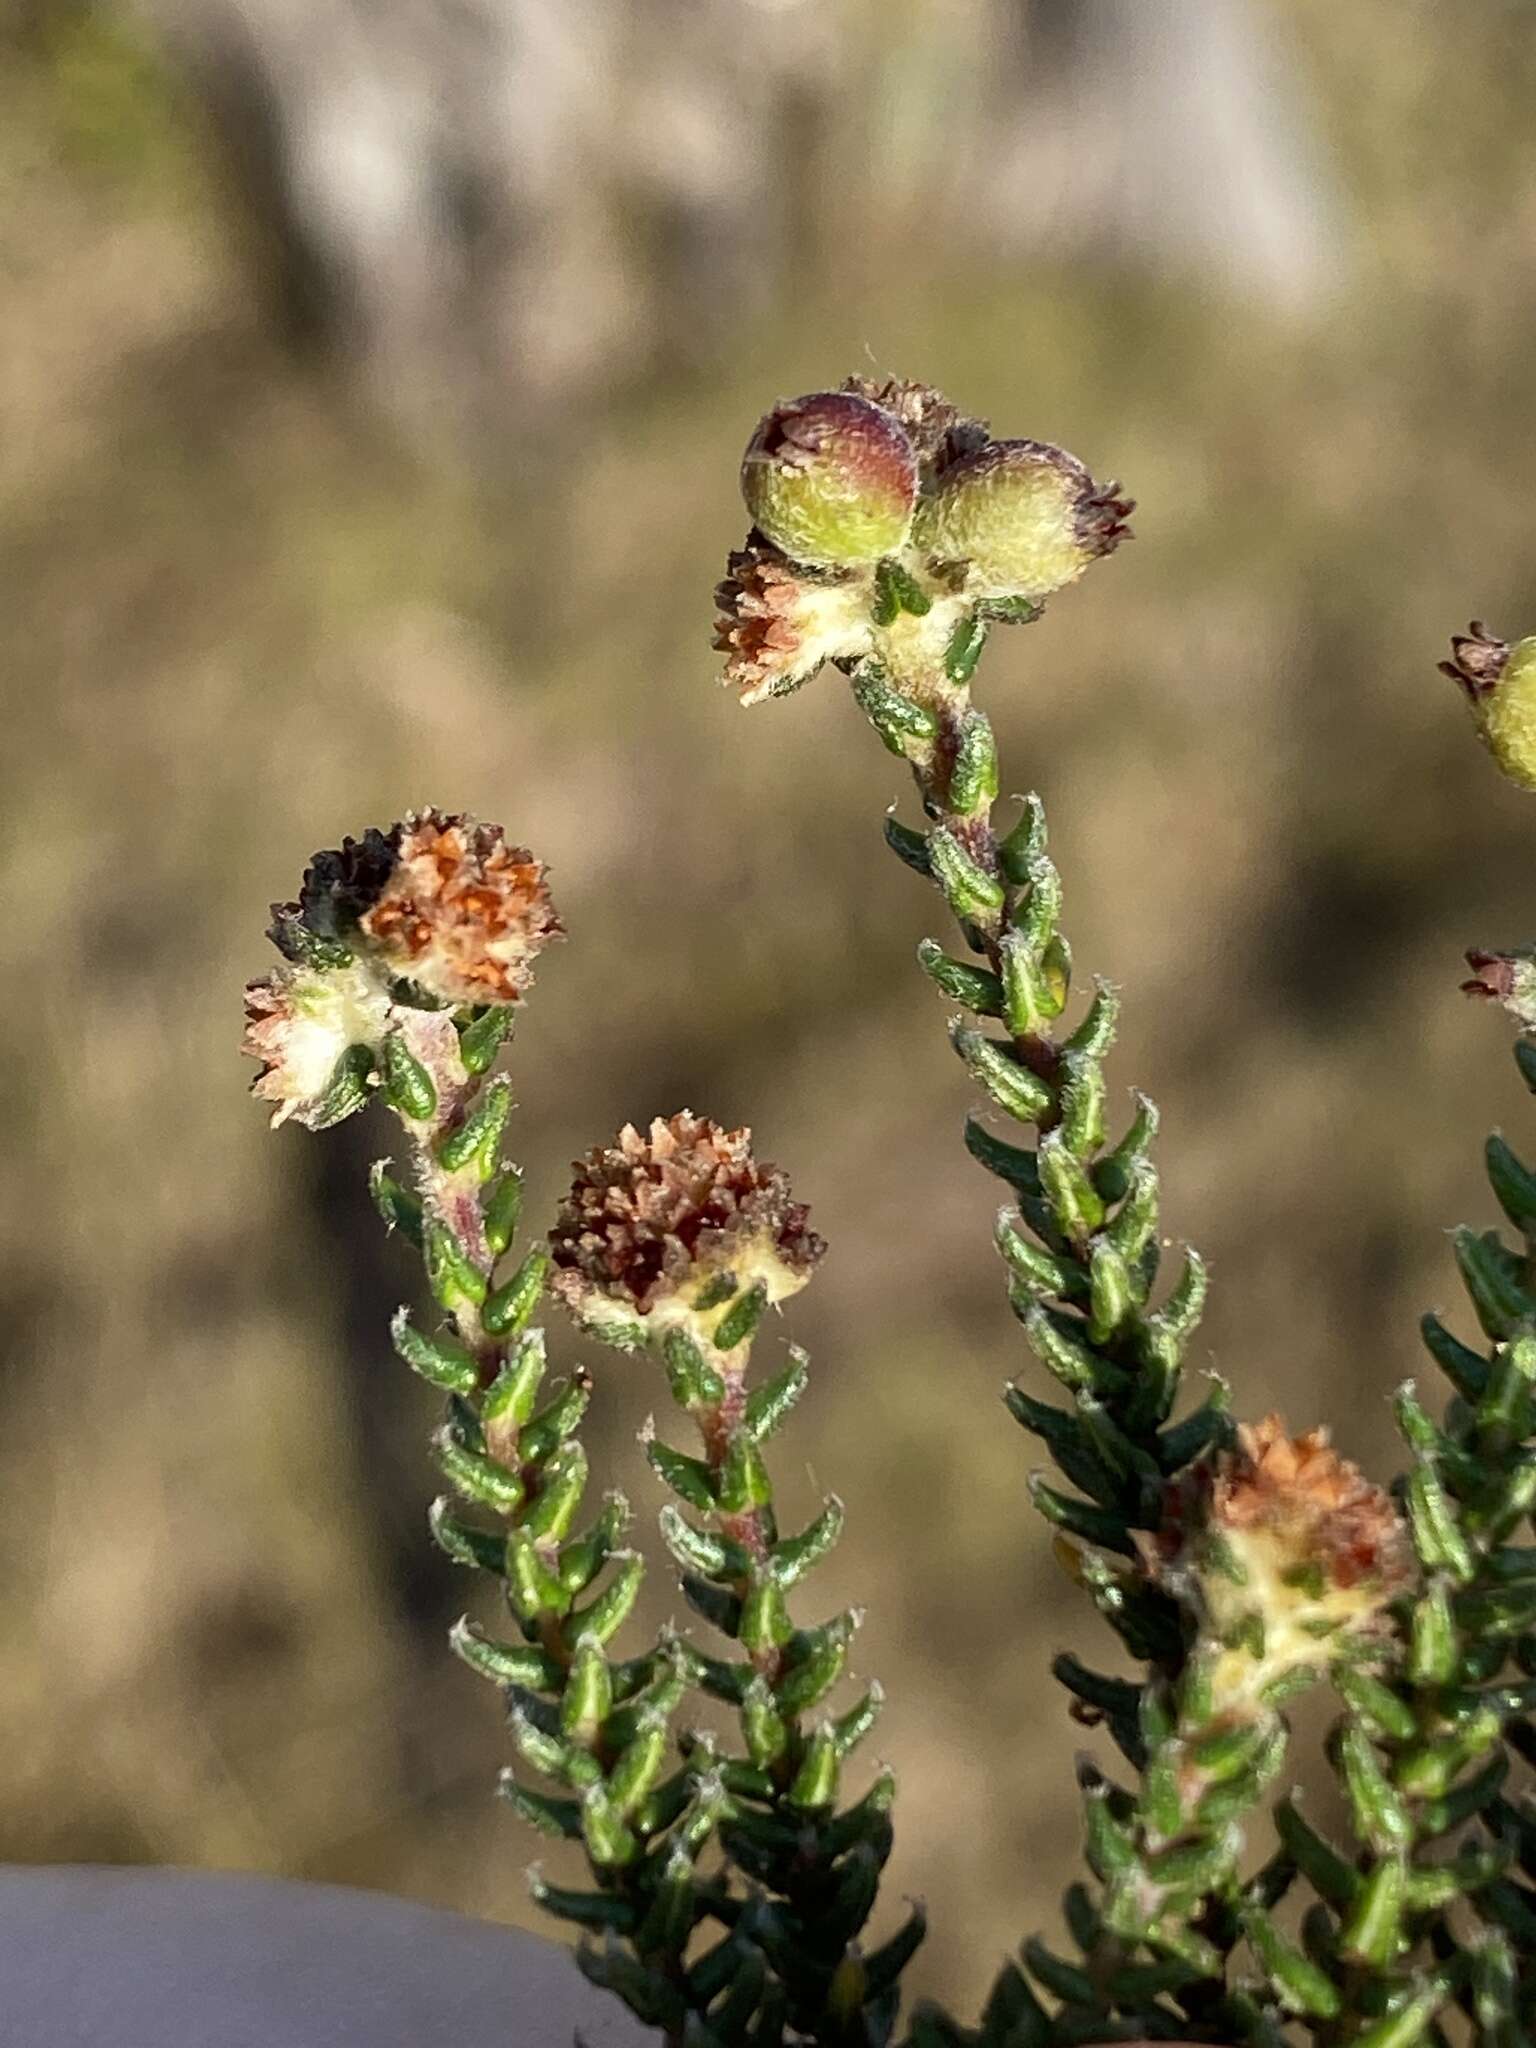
column 439, row 901
column 940, row 432
column 652, row 1223
column 779, row 623
column 1286, row 1550
column 461, row 913
column 1026, row 517
column 315, row 1031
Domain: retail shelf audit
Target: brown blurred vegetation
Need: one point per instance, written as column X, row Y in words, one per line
column 245, row 611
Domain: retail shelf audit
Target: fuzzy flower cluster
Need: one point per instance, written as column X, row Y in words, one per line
column 672, row 1225
column 882, row 518
column 1285, row 1552
column 439, row 912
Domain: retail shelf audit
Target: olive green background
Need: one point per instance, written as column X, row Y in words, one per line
column 244, row 613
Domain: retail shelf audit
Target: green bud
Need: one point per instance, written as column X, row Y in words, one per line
column 1025, row 516
column 831, row 480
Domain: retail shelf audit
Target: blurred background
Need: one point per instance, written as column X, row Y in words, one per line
column 372, row 383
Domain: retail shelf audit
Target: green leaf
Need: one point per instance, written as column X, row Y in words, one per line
column 974, row 895
column 440, row 1359
column 975, row 987
column 795, row 1556
column 509, row 1306
column 408, row 1087
column 479, row 1135
column 769, row 1404
column 399, row 1206
column 483, row 1037
column 741, row 1319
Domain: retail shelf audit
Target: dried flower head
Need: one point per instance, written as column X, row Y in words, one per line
column 315, row 1031
column 1499, row 682
column 1507, row 978
column 1025, row 517
column 940, row 431
column 652, row 1223
column 461, row 913
column 831, row 479
column 1286, row 1551
column 778, row 623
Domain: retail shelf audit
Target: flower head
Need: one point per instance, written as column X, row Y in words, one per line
column 1499, row 681
column 315, row 1031
column 939, row 431
column 779, row 623
column 1025, row 517
column 1507, row 978
column 1285, row 1551
column 653, row 1225
column 461, row 914
column 439, row 901
column 831, row 480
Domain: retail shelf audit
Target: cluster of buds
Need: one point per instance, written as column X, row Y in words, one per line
column 680, row 1227
column 439, row 913
column 888, row 526
column 1499, row 682
column 1287, row 1556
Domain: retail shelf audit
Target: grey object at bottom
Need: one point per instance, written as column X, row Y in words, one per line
column 131, row 1958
